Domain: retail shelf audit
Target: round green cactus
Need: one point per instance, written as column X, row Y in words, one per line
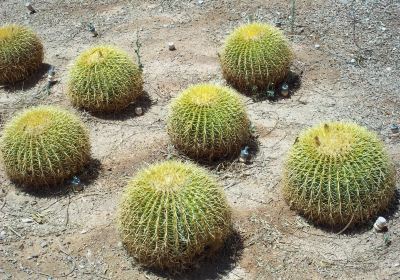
column 104, row 79
column 255, row 57
column 339, row 174
column 208, row 121
column 21, row 53
column 44, row 145
column 171, row 213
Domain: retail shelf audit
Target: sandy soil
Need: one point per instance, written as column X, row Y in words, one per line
column 348, row 54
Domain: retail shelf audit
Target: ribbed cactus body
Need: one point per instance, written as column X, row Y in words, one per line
column 171, row 213
column 104, row 79
column 43, row 146
column 255, row 56
column 208, row 121
column 338, row 173
column 21, row 53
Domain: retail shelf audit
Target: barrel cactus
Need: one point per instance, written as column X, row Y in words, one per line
column 208, row 121
column 21, row 53
column 255, row 57
column 339, row 174
column 104, row 79
column 44, row 145
column 171, row 214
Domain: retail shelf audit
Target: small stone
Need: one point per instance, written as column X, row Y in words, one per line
column 30, row 8
column 317, row 46
column 171, row 46
column 27, row 220
column 380, row 224
column 352, row 61
column 43, row 244
column 138, row 111
column 388, row 68
column 200, row 2
column 394, row 128
column 34, row 256
column 119, row 244
column 383, row 28
column 84, row 231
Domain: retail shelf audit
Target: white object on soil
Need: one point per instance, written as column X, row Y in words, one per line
column 138, row 111
column 171, row 46
column 380, row 224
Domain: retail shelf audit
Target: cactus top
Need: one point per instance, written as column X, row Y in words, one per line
column 253, row 31
column 97, row 56
column 334, row 140
column 34, row 124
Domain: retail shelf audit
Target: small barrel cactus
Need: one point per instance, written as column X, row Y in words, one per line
column 44, row 145
column 171, row 213
column 339, row 174
column 256, row 56
column 104, row 79
column 208, row 121
column 21, row 53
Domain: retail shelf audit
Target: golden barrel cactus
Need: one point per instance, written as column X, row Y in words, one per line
column 42, row 146
column 104, row 79
column 208, row 121
column 21, row 53
column 255, row 56
column 171, row 213
column 339, row 174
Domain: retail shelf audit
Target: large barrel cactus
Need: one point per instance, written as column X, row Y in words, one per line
column 172, row 213
column 44, row 145
column 256, row 56
column 104, row 79
column 339, row 174
column 21, row 53
column 208, row 121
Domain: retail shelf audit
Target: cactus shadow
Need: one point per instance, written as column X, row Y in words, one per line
column 274, row 93
column 221, row 163
column 30, row 82
column 89, row 173
column 210, row 267
column 144, row 101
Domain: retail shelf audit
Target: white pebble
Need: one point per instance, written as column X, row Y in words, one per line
column 138, row 111
column 380, row 224
column 171, row 46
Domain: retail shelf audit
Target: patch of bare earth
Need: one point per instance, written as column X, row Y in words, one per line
column 348, row 54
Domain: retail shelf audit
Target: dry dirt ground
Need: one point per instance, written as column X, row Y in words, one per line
column 348, row 54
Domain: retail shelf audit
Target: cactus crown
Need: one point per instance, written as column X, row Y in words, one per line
column 43, row 146
column 252, row 32
column 208, row 121
column 104, row 79
column 21, row 53
column 170, row 212
column 338, row 173
column 331, row 141
column 255, row 55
